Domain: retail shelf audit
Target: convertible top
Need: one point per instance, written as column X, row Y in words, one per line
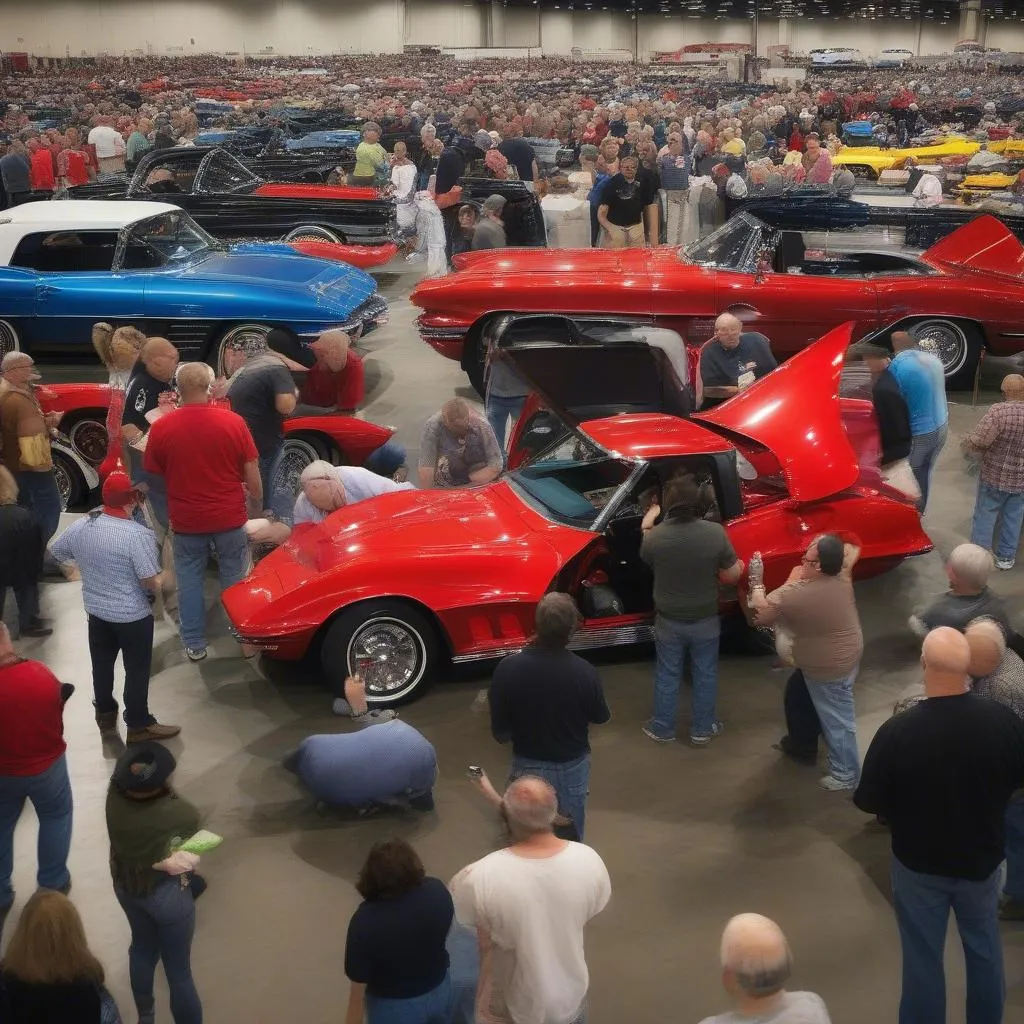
column 82, row 214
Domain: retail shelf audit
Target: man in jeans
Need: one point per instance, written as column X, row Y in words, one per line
column 120, row 571
column 998, row 438
column 209, row 461
column 689, row 557
column 816, row 607
column 544, row 700
column 922, row 382
column 942, row 774
column 32, row 767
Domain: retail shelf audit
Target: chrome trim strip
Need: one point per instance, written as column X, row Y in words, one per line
column 585, row 639
column 442, row 332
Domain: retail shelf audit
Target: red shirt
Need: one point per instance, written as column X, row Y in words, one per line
column 201, row 452
column 31, row 719
column 344, row 389
column 41, row 173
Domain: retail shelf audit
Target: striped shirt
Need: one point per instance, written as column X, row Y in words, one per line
column 113, row 556
column 1006, row 684
column 999, row 436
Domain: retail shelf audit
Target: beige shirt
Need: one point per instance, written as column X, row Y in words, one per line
column 821, row 613
column 21, row 416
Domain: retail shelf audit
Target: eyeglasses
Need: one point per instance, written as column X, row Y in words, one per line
column 810, row 561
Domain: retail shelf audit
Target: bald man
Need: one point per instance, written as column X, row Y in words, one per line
column 756, row 963
column 998, row 674
column 942, row 774
column 731, row 361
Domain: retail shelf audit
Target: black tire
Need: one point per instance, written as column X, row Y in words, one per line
column 9, row 340
column 375, row 626
column 70, row 482
column 231, row 334
column 312, row 233
column 474, row 363
column 958, row 346
column 297, row 452
column 86, row 429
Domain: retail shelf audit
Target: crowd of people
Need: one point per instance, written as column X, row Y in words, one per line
column 193, row 471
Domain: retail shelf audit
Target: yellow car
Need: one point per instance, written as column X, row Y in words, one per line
column 870, row 161
column 994, row 182
column 1012, row 149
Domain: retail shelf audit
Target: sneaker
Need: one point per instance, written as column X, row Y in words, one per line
column 341, row 706
column 195, row 653
column 834, row 785
column 702, row 741
column 37, row 627
column 652, row 735
column 107, row 721
column 153, row 731
column 1004, row 563
column 374, row 715
column 1011, row 909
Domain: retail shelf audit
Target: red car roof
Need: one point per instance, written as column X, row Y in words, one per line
column 653, row 435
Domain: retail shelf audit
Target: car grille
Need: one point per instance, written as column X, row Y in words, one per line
column 370, row 314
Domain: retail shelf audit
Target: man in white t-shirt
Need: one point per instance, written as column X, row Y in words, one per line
column 756, row 964
column 110, row 146
column 529, row 904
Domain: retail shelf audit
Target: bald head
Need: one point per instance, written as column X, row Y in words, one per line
column 331, row 349
column 530, row 807
column 755, row 956
column 945, row 657
column 160, row 358
column 728, row 329
column 194, row 382
column 987, row 646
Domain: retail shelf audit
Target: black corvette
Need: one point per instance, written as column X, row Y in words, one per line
column 233, row 202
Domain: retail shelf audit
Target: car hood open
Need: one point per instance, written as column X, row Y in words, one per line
column 795, row 413
column 984, row 244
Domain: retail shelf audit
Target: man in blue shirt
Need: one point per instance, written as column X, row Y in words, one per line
column 384, row 763
column 120, row 569
column 922, row 383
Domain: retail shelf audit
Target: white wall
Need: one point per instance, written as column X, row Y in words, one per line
column 446, row 22
column 872, row 36
column 1007, row 35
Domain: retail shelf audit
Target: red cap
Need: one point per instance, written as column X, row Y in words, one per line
column 119, row 491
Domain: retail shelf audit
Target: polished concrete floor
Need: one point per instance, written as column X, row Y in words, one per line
column 690, row 836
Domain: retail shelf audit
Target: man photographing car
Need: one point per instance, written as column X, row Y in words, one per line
column 731, row 361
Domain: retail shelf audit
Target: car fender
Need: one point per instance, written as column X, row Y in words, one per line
column 89, row 474
column 356, row 439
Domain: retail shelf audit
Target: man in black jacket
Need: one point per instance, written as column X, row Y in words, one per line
column 890, row 406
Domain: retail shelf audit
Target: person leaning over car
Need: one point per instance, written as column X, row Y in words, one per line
column 731, row 361
column 326, row 488
column 458, row 448
column 626, row 200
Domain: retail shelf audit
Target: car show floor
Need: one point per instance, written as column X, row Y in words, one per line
column 690, row 836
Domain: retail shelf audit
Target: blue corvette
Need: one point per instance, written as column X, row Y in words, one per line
column 64, row 266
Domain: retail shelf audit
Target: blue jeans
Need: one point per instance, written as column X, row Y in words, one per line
column 387, row 459
column 156, row 494
column 464, row 972
column 191, row 551
column 39, row 494
column 499, row 409
column 434, row 1007
column 922, row 903
column 833, row 700
column 672, row 639
column 570, row 780
column 275, row 497
column 924, row 453
column 162, row 925
column 50, row 793
column 1014, row 823
column 990, row 505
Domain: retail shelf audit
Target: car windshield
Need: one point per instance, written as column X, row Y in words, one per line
column 169, row 238
column 221, row 173
column 572, row 482
column 728, row 248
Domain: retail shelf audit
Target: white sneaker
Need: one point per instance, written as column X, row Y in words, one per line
column 1004, row 563
column 834, row 785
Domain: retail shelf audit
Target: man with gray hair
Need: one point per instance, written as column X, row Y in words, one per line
column 756, row 964
column 544, row 700
column 529, row 905
column 731, row 361
column 490, row 229
column 458, row 448
column 968, row 568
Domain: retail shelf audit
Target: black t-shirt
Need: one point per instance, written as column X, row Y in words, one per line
column 520, row 155
column 544, row 701
column 72, row 1003
column 252, row 396
column 396, row 948
column 451, row 165
column 141, row 396
column 893, row 418
column 627, row 200
column 721, row 367
column 942, row 774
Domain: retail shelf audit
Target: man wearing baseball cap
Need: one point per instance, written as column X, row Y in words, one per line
column 120, row 567
column 490, row 231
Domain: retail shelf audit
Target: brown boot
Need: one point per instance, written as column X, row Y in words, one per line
column 153, row 731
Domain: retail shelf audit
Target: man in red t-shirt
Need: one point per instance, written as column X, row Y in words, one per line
column 336, row 382
column 32, row 767
column 209, row 463
column 41, row 174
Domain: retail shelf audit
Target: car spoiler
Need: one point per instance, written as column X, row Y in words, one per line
column 985, row 245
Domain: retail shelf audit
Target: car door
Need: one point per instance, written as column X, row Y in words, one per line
column 17, row 312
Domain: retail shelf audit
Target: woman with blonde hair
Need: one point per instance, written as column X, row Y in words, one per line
column 21, row 558
column 48, row 972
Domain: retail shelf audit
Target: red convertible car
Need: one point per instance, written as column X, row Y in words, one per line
column 962, row 295
column 395, row 586
column 343, row 440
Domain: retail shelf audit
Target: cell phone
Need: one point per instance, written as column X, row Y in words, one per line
column 474, row 771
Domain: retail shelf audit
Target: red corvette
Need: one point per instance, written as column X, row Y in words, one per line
column 394, row 586
column 963, row 295
column 343, row 440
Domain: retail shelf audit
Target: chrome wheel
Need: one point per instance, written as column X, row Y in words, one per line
column 65, row 485
column 311, row 233
column 89, row 439
column 388, row 654
column 945, row 339
column 239, row 333
column 296, row 455
column 9, row 341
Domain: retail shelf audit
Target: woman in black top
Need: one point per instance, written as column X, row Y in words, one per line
column 48, row 973
column 21, row 558
column 395, row 955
